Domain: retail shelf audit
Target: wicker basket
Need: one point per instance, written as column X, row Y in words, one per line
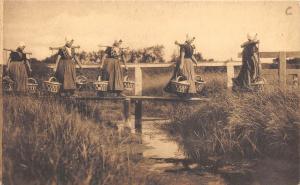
column 128, row 85
column 52, row 85
column 261, row 82
column 199, row 83
column 32, row 85
column 259, row 85
column 7, row 84
column 179, row 86
column 100, row 85
column 81, row 80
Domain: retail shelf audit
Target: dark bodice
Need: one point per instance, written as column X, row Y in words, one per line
column 249, row 51
column 65, row 55
column 17, row 56
column 112, row 53
column 188, row 50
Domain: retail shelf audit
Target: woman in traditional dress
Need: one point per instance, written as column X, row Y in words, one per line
column 65, row 68
column 111, row 67
column 17, row 68
column 184, row 66
column 251, row 67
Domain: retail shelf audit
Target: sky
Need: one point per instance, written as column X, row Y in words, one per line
column 219, row 27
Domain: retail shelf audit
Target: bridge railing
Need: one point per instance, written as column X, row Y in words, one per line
column 282, row 71
column 139, row 66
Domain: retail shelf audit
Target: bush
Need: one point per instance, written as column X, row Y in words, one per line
column 241, row 126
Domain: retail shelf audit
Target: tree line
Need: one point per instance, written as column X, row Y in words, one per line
column 152, row 54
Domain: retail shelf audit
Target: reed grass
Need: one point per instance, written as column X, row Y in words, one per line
column 239, row 126
column 44, row 143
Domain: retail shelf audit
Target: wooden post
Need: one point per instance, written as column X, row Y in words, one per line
column 230, row 74
column 1, row 95
column 138, row 81
column 138, row 116
column 126, row 110
column 282, row 70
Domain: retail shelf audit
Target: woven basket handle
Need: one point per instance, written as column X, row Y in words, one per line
column 7, row 78
column 52, row 79
column 179, row 78
column 32, row 80
column 81, row 77
column 198, row 78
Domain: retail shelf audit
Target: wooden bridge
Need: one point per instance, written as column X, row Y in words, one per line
column 138, row 104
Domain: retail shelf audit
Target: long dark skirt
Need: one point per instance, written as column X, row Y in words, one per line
column 112, row 72
column 66, row 74
column 249, row 73
column 18, row 73
column 243, row 80
column 187, row 72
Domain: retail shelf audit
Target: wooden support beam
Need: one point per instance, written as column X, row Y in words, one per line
column 1, row 95
column 264, row 55
column 293, row 71
column 268, row 54
column 144, row 98
column 282, row 70
column 166, row 98
column 230, row 75
column 289, row 54
column 99, row 98
column 138, row 81
column 166, row 65
column 273, row 72
column 126, row 110
column 138, row 116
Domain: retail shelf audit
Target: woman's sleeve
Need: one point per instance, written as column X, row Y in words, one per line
column 60, row 52
column 107, row 50
column 182, row 51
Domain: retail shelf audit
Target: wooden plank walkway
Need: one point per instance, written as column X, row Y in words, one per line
column 142, row 98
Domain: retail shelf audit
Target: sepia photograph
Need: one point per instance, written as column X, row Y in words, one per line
column 149, row 92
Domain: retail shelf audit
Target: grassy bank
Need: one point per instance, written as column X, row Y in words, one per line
column 44, row 144
column 239, row 126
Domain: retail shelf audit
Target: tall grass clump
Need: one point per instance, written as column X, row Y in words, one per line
column 239, row 126
column 45, row 144
column 215, row 83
